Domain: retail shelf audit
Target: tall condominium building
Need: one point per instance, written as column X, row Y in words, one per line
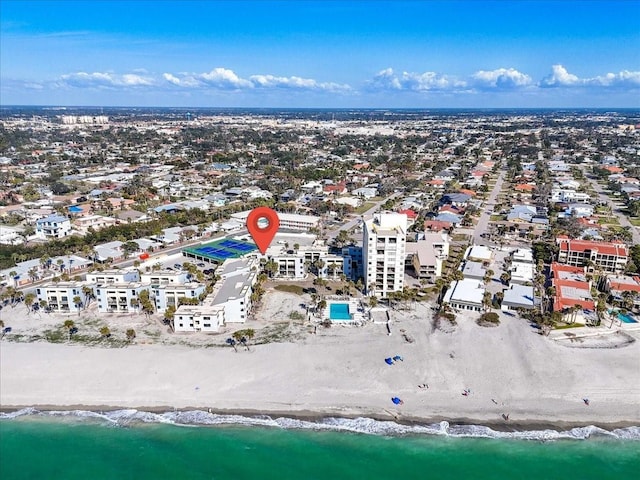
column 383, row 253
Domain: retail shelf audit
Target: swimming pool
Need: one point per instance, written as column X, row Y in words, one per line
column 75, row 209
column 626, row 318
column 339, row 311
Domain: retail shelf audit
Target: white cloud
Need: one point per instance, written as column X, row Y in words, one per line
column 224, row 78
column 560, row 77
column 501, row 78
column 623, row 79
column 387, row 79
column 271, row 81
column 105, row 80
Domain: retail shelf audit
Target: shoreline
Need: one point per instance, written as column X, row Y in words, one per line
column 520, row 425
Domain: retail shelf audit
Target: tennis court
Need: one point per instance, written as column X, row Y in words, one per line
column 220, row 250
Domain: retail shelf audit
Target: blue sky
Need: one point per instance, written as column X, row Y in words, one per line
column 423, row 54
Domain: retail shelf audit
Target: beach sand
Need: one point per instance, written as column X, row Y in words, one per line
column 340, row 371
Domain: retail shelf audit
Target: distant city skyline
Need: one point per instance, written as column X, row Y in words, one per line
column 332, row 54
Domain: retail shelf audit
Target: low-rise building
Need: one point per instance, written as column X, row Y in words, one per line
column 466, row 294
column 518, row 297
column 169, row 295
column 609, row 257
column 117, row 297
column 198, row 318
column 427, row 256
column 53, row 227
column 62, row 297
column 113, row 276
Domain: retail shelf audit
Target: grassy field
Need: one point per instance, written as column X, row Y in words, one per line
column 608, row 221
column 635, row 221
column 364, row 207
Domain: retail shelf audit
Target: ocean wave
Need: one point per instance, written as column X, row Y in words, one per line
column 360, row 425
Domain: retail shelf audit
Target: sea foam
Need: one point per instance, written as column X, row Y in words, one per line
column 360, row 425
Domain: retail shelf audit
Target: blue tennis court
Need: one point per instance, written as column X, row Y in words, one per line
column 220, row 250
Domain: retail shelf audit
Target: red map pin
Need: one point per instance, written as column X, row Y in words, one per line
column 263, row 234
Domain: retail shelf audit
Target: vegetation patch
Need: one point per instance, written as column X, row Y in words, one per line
column 296, row 289
column 489, row 319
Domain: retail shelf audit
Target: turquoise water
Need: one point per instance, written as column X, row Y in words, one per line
column 339, row 311
column 626, row 318
column 74, row 448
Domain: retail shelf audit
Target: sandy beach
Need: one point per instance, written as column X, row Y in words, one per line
column 341, row 371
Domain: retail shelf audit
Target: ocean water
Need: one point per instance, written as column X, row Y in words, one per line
column 196, row 445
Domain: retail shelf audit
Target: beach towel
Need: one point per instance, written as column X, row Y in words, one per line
column 389, row 361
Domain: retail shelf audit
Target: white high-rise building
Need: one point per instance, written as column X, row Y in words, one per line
column 383, row 253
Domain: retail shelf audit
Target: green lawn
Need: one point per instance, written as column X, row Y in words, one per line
column 497, row 218
column 364, row 207
column 635, row 221
column 608, row 221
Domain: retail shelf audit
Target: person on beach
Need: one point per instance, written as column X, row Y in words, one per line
column 505, row 416
column 586, row 401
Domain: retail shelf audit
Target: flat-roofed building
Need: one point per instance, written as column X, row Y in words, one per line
column 610, row 257
column 198, row 318
column 113, row 276
column 522, row 272
column 165, row 277
column 60, row 296
column 116, row 297
column 517, row 297
column 466, row 294
column 169, row 295
column 384, row 239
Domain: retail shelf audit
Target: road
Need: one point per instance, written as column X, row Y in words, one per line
column 624, row 221
column 483, row 221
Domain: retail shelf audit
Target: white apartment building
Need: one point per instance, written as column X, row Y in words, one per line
column 169, row 295
column 165, row 277
column 198, row 318
column 52, row 227
column 116, row 297
column 384, row 239
column 113, row 276
column 234, row 294
column 59, row 296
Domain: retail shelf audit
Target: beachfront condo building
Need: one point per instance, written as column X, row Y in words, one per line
column 610, row 257
column 62, row 297
column 169, row 295
column 383, row 251
column 117, row 297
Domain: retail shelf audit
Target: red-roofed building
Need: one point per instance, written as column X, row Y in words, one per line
column 466, row 191
column 610, row 257
column 524, row 187
column 618, row 285
column 335, row 188
column 614, row 169
column 572, row 293
column 437, row 225
column 411, row 215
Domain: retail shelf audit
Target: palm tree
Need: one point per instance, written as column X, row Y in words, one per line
column 69, row 325
column 77, row 302
column 232, row 342
column 29, row 298
column 89, row 295
column 486, row 300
